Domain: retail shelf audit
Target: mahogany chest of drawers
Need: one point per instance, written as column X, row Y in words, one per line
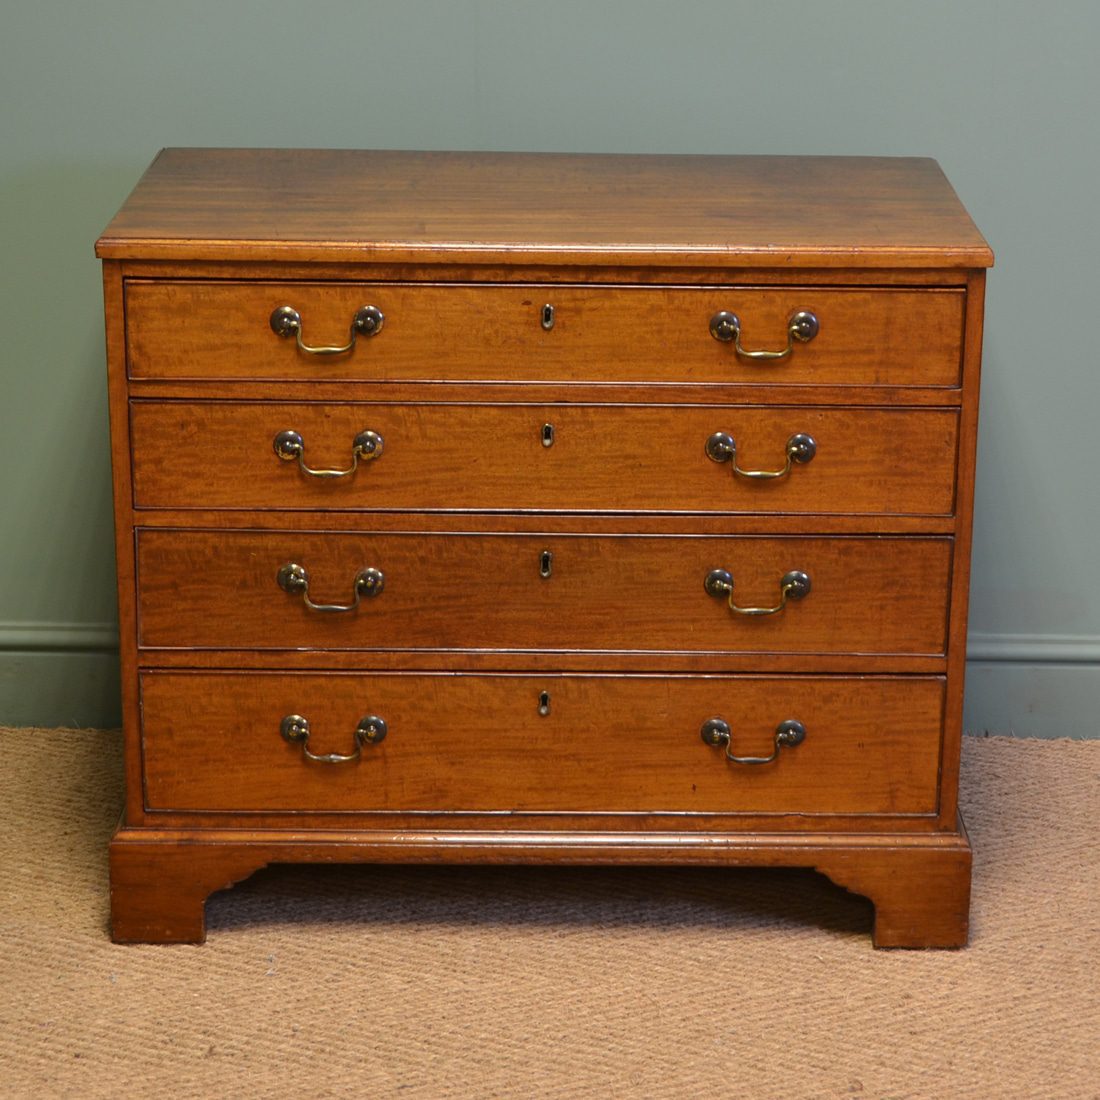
column 542, row 508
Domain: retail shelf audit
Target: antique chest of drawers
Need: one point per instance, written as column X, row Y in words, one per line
column 542, row 508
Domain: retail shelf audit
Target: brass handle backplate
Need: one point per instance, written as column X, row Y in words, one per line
column 295, row 729
column 721, row 447
column 794, row 585
column 287, row 321
column 294, row 579
column 802, row 326
column 716, row 733
column 289, row 445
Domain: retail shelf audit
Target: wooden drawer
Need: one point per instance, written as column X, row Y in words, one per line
column 463, row 332
column 219, row 590
column 212, row 741
column 606, row 458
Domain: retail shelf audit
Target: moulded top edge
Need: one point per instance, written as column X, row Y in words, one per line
column 308, row 205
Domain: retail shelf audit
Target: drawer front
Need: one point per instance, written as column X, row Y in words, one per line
column 606, row 458
column 213, row 741
column 483, row 333
column 221, row 590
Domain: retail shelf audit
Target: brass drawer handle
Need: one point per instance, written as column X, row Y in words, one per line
column 794, row 585
column 716, row 733
column 287, row 321
column 721, row 447
column 290, row 445
column 294, row 579
column 295, row 729
column 803, row 326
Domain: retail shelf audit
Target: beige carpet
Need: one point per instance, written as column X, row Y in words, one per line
column 434, row 983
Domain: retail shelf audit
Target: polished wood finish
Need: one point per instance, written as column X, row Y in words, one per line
column 513, row 269
column 218, row 331
column 920, row 885
column 461, row 251
column 586, row 523
column 478, row 743
column 604, row 458
column 114, row 324
column 550, row 208
column 218, row 590
column 960, row 587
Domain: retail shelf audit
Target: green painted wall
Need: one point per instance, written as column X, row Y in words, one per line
column 1003, row 93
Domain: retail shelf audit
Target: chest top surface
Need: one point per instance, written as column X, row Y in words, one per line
column 421, row 207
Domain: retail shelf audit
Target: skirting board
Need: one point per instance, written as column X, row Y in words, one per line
column 1033, row 685
column 52, row 688
column 1017, row 699
column 1026, row 686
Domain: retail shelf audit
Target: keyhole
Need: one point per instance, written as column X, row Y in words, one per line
column 544, row 703
column 548, row 435
column 546, row 564
column 548, row 317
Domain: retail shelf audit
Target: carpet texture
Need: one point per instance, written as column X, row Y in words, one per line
column 466, row 982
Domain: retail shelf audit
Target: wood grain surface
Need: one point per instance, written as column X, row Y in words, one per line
column 363, row 205
column 604, row 458
column 461, row 252
column 216, row 589
column 920, row 885
column 477, row 743
column 459, row 332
